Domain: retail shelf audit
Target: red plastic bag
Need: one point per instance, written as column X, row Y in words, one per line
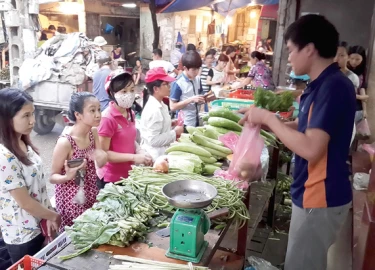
column 363, row 128
column 230, row 140
column 180, row 118
column 248, row 151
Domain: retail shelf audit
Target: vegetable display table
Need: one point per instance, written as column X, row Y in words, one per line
column 155, row 250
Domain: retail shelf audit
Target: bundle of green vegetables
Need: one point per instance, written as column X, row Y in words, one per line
column 119, row 217
column 273, row 102
column 245, row 69
column 283, row 184
column 149, row 182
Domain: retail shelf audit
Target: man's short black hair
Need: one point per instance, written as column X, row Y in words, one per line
column 191, row 59
column 191, row 47
column 158, row 52
column 315, row 29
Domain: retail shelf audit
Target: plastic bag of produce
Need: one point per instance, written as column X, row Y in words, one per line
column 230, row 140
column 246, row 157
column 363, row 128
column 246, row 165
column 180, row 118
column 259, row 264
column 370, row 149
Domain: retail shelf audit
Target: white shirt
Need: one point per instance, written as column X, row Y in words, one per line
column 176, row 57
column 354, row 78
column 17, row 225
column 168, row 67
column 156, row 128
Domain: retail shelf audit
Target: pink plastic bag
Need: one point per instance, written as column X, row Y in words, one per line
column 248, row 151
column 363, row 128
column 180, row 118
column 370, row 149
column 230, row 140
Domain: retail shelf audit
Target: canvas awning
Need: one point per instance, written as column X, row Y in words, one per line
column 220, row 6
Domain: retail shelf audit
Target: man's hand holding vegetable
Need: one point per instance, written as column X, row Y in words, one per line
column 309, row 145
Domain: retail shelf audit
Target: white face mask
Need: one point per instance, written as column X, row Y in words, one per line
column 125, row 100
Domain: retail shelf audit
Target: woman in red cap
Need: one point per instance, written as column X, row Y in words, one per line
column 158, row 131
column 117, row 131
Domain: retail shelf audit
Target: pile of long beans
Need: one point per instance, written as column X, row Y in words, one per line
column 151, row 183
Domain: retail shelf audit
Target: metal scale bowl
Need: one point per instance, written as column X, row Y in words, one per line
column 190, row 223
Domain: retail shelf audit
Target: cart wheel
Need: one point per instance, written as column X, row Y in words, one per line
column 44, row 121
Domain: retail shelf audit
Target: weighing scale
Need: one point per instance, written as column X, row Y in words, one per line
column 190, row 223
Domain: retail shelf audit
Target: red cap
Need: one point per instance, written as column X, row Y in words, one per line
column 158, row 74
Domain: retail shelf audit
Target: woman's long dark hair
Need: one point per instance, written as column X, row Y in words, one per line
column 12, row 101
column 119, row 83
column 361, row 69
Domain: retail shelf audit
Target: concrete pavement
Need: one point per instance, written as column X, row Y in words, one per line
column 45, row 145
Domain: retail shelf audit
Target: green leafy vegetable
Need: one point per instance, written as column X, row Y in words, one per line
column 273, row 102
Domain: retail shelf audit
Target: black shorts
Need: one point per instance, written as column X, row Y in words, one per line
column 17, row 252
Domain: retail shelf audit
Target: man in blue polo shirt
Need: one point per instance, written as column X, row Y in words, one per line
column 320, row 138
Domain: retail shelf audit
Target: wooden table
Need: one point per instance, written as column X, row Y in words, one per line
column 257, row 196
column 155, row 250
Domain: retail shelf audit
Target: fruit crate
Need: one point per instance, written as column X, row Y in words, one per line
column 243, row 94
column 232, row 104
column 27, row 263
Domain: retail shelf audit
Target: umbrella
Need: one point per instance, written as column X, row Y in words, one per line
column 179, row 39
column 226, row 6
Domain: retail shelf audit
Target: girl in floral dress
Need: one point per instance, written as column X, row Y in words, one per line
column 24, row 201
column 80, row 141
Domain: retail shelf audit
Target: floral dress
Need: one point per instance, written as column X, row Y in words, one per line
column 17, row 225
column 65, row 193
column 261, row 76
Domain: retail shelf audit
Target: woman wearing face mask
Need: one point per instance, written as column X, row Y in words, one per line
column 357, row 64
column 117, row 132
column 24, row 202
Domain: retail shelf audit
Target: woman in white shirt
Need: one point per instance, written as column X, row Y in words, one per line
column 342, row 58
column 158, row 131
column 217, row 75
column 24, row 203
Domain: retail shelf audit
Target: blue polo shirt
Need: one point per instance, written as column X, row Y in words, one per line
column 329, row 104
column 182, row 89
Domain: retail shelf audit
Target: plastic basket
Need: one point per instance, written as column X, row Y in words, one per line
column 288, row 114
column 242, row 94
column 232, row 104
column 27, row 263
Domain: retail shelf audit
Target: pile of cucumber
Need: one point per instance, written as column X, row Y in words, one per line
column 196, row 144
column 203, row 141
column 224, row 120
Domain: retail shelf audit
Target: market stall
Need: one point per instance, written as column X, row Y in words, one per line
column 182, row 209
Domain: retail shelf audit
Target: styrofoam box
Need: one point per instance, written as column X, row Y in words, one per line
column 54, row 247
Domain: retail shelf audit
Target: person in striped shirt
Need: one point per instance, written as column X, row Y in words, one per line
column 203, row 73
